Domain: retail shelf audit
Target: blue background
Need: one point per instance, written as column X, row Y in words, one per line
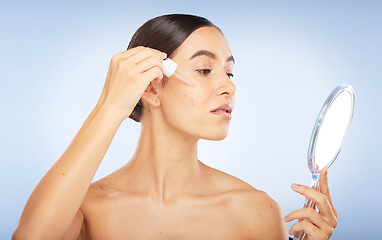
column 289, row 55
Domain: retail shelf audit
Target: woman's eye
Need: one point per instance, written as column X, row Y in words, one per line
column 204, row 71
column 207, row 71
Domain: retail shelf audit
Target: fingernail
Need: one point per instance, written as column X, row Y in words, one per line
column 286, row 218
column 164, row 55
column 295, row 186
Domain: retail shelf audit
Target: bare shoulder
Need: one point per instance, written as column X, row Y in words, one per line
column 107, row 185
column 224, row 182
column 103, row 192
column 258, row 214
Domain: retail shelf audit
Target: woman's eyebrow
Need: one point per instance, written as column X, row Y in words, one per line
column 203, row 53
column 210, row 55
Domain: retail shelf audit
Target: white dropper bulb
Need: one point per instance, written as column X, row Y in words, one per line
column 169, row 69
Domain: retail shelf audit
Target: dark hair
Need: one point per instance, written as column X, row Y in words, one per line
column 165, row 33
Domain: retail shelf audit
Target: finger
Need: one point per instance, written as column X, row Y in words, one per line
column 126, row 54
column 132, row 51
column 307, row 213
column 136, row 55
column 153, row 74
column 139, row 62
column 147, row 64
column 305, row 226
column 324, row 187
column 321, row 201
column 144, row 53
column 312, row 231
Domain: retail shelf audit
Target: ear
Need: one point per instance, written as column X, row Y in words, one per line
column 150, row 95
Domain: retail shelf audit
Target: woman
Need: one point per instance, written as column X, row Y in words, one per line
column 164, row 191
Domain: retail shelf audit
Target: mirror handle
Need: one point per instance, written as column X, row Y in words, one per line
column 315, row 184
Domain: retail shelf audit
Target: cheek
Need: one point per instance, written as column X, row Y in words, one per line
column 183, row 103
column 189, row 112
column 181, row 94
column 193, row 101
column 187, row 99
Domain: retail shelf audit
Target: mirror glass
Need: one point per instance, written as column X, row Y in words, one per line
column 331, row 127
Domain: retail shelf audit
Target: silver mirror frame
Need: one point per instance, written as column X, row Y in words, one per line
column 321, row 117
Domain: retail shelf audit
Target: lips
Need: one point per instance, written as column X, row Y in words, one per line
column 224, row 111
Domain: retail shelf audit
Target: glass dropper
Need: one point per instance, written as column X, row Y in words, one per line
column 169, row 69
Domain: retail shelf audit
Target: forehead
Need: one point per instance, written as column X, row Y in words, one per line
column 205, row 38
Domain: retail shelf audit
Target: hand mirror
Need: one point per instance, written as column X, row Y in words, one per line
column 328, row 135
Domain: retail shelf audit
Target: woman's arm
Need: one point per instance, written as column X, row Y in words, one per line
column 318, row 225
column 57, row 198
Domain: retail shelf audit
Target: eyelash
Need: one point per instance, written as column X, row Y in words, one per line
column 208, row 71
column 204, row 71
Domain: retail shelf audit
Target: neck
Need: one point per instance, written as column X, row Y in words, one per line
column 165, row 163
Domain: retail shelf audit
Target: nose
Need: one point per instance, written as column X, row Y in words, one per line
column 225, row 86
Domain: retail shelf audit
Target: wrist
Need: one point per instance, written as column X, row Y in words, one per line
column 110, row 113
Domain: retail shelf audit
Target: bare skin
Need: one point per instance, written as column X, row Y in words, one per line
column 203, row 210
column 164, row 191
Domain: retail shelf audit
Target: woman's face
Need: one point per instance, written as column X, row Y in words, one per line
column 204, row 111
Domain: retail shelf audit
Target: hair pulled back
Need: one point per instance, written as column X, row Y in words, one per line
column 165, row 33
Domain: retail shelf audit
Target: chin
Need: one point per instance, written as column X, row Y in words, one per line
column 216, row 132
column 216, row 139
column 215, row 136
